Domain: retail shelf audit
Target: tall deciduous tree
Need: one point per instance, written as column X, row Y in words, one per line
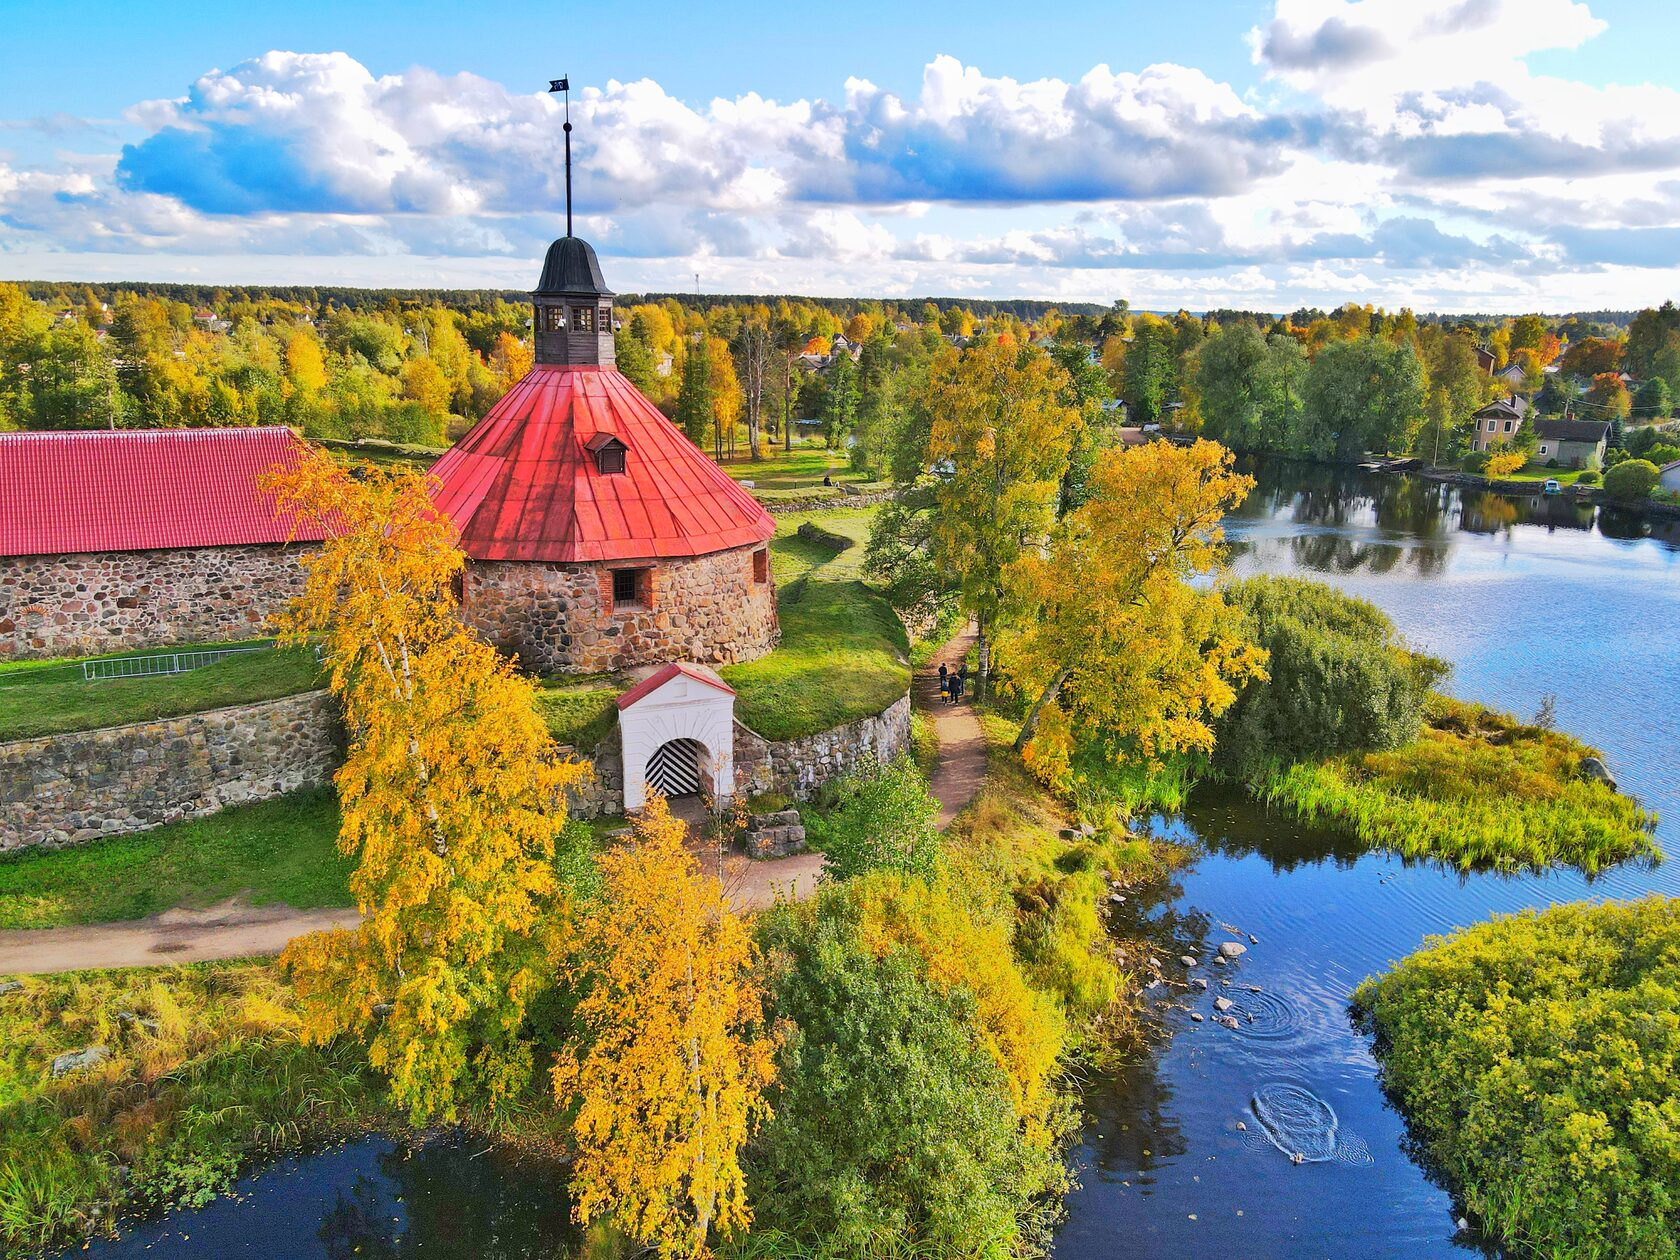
column 694, row 398
column 453, row 796
column 672, row 1082
column 1119, row 643
column 1003, row 428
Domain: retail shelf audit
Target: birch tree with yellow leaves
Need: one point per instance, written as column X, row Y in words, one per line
column 1119, row 642
column 452, row 796
column 1002, row 429
column 671, row 1082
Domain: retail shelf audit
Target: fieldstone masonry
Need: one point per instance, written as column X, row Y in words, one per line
column 66, row 789
column 798, row 767
column 561, row 618
column 111, row 601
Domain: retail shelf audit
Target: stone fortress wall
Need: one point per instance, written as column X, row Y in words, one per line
column 68, row 789
column 59, row 790
column 561, row 618
column 114, row 601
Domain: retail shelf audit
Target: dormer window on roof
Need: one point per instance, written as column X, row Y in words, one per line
column 608, row 452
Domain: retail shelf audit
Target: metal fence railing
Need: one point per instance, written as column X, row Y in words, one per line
column 161, row 663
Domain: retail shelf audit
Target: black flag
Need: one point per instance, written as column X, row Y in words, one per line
column 559, row 85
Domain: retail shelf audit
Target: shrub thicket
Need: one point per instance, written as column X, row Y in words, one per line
column 1478, row 789
column 1536, row 1057
column 893, row 1123
column 885, row 820
column 1631, row 481
column 1340, row 680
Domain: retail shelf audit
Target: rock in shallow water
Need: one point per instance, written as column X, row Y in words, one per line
column 1232, row 949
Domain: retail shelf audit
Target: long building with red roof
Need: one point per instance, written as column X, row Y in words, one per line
column 121, row 539
column 598, row 536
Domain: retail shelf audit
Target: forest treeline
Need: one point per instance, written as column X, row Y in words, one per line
column 735, row 372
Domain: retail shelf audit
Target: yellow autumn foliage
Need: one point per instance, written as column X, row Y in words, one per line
column 452, row 796
column 1120, row 642
column 1022, row 1028
column 671, row 1083
column 1505, row 463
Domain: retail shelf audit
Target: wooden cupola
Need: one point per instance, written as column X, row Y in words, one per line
column 572, row 311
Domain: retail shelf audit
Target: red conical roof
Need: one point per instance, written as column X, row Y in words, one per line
column 523, row 483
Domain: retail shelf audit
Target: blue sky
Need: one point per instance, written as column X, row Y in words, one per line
column 1448, row 154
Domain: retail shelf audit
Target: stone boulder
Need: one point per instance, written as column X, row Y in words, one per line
column 1594, row 769
column 774, row 835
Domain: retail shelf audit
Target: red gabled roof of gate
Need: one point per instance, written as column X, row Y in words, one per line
column 141, row 489
column 523, row 485
column 654, row 681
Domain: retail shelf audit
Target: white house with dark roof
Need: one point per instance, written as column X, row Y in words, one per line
column 1573, row 443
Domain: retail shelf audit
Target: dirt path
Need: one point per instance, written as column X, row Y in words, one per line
column 236, row 929
column 961, row 768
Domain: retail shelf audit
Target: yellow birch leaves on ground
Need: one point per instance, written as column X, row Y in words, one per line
column 452, row 796
column 672, row 1081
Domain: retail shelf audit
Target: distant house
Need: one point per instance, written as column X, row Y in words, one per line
column 1573, row 443
column 1668, row 476
column 1485, row 360
column 1500, row 421
column 1511, row 375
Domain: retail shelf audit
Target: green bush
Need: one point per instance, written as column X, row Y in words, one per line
column 1631, row 481
column 1536, row 1057
column 884, row 819
column 1589, row 478
column 1476, row 462
column 1339, row 679
column 1552, row 463
column 892, row 1123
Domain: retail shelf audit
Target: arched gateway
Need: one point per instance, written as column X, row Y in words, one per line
column 678, row 732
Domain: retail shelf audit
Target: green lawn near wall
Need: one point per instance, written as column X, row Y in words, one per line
column 844, row 655
column 274, row 851
column 51, row 697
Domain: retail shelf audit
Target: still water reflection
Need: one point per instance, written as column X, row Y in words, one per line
column 1526, row 598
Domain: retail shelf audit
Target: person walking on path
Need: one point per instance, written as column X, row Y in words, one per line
column 961, row 684
column 944, row 683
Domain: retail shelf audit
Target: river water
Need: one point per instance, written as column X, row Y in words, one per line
column 1526, row 598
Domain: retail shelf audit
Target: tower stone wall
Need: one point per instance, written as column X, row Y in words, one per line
column 562, row 618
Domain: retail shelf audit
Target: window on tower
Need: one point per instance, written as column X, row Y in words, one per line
column 583, row 319
column 554, row 319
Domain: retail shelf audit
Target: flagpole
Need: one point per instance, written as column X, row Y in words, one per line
column 564, row 86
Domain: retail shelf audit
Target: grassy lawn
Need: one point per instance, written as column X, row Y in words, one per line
column 1541, row 474
column 47, row 697
column 277, row 851
column 792, row 556
column 799, row 474
column 844, row 655
column 579, row 716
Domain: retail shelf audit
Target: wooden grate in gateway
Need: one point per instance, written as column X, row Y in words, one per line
column 674, row 768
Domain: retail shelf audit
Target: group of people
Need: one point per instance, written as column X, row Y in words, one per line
column 952, row 683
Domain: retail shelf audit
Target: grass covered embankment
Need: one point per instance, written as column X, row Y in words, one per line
column 1478, row 789
column 1535, row 1057
column 844, row 655
column 51, row 697
column 282, row 850
column 203, row 1070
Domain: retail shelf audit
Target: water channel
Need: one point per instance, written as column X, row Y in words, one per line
column 1526, row 598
